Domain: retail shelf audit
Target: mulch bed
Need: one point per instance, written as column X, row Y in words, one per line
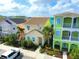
column 68, row 57
column 59, row 55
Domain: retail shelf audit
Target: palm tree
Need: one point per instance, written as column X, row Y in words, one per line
column 20, row 33
column 48, row 35
column 51, row 34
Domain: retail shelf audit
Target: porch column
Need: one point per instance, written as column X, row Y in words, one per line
column 43, row 41
column 60, row 46
column 72, row 22
column 70, row 35
column 69, row 45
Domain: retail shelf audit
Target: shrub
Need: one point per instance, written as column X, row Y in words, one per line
column 23, row 43
column 50, row 53
column 42, row 50
column 75, row 53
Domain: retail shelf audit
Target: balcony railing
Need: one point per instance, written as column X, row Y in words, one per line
column 75, row 25
column 65, row 37
column 74, row 39
column 68, row 25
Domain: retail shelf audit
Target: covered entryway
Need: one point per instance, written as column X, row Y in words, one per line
column 64, row 46
column 57, row 45
column 40, row 40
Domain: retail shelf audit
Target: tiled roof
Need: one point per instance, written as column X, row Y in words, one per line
column 17, row 20
column 36, row 20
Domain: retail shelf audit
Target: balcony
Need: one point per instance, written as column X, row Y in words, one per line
column 74, row 39
column 65, row 37
column 74, row 36
column 76, row 22
column 75, row 25
column 67, row 22
column 67, row 25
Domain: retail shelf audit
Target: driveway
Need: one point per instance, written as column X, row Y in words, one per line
column 29, row 54
column 19, row 57
column 24, row 57
column 1, row 51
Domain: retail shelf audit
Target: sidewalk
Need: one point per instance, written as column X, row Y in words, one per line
column 37, row 51
column 64, row 55
column 35, row 55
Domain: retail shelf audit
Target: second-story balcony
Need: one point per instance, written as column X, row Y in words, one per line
column 67, row 22
column 67, row 25
column 76, row 22
column 74, row 36
column 65, row 35
column 74, row 39
column 76, row 25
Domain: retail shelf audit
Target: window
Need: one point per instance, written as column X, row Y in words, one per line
column 58, row 20
column 28, row 27
column 13, row 28
column 3, row 57
column 75, row 19
column 66, row 35
column 58, row 32
column 74, row 36
column 11, row 54
column 33, row 38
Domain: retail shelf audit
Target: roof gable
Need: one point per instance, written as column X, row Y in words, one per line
column 34, row 32
column 67, row 14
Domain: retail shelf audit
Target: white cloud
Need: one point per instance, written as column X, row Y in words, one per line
column 65, row 5
column 37, row 8
column 7, row 5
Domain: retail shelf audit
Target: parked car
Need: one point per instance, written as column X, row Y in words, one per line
column 11, row 54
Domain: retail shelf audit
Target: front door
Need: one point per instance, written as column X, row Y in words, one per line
column 65, row 47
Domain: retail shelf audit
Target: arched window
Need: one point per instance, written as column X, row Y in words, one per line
column 67, row 22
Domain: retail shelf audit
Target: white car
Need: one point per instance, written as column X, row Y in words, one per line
column 11, row 54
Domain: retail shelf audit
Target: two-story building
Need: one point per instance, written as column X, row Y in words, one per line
column 66, row 31
column 7, row 26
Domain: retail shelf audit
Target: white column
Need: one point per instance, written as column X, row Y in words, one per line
column 71, row 29
column 43, row 41
column 72, row 22
column 70, row 35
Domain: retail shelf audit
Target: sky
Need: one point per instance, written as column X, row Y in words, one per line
column 37, row 7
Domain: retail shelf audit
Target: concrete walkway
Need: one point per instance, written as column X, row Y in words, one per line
column 37, row 51
column 64, row 55
column 28, row 53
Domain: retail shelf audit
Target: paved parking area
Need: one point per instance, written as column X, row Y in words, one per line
column 1, row 51
column 28, row 54
column 24, row 57
column 19, row 57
